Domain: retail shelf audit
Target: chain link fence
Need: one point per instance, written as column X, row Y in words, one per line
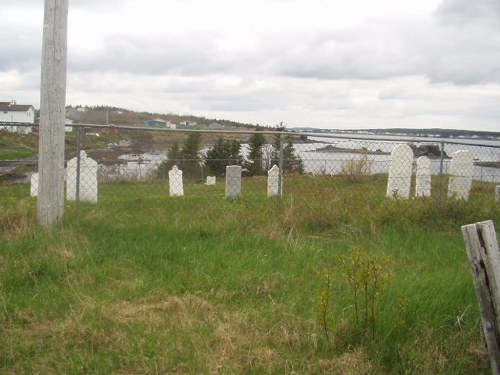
column 110, row 163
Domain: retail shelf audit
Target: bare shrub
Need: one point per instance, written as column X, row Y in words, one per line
column 356, row 168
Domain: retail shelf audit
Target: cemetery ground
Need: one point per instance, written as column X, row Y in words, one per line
column 200, row 284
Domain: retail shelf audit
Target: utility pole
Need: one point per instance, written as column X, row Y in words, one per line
column 52, row 113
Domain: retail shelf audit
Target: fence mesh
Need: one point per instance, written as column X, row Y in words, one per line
column 106, row 164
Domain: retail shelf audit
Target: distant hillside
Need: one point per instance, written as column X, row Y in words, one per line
column 436, row 132
column 121, row 116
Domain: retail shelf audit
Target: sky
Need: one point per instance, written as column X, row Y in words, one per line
column 318, row 63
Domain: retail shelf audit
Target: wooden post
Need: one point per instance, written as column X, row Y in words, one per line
column 484, row 257
column 52, row 113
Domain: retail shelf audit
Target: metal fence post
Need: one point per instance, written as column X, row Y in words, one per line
column 280, row 175
column 441, row 178
column 78, row 149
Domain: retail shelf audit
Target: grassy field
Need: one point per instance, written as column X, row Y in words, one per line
column 198, row 284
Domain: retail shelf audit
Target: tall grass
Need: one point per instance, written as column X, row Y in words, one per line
column 204, row 285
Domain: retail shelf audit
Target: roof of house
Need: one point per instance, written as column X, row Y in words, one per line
column 8, row 106
column 157, row 120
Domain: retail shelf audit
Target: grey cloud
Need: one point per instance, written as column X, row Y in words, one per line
column 443, row 52
column 193, row 54
column 466, row 11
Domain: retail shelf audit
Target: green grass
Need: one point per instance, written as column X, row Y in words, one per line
column 145, row 283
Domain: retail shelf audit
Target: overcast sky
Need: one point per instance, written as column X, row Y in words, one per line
column 320, row 63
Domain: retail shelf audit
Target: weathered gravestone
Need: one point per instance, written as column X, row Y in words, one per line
column 211, row 180
column 34, row 185
column 273, row 177
column 233, row 181
column 87, row 189
column 400, row 170
column 461, row 174
column 175, row 182
column 497, row 193
column 423, row 180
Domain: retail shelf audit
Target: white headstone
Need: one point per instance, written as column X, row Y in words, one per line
column 273, row 181
column 400, row 170
column 233, row 181
column 461, row 174
column 210, row 180
column 175, row 182
column 88, row 179
column 423, row 181
column 34, row 185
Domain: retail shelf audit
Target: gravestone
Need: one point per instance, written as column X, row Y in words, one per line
column 211, row 180
column 423, row 181
column 233, row 181
column 400, row 170
column 497, row 193
column 88, row 179
column 34, row 185
column 273, row 176
column 175, row 182
column 460, row 174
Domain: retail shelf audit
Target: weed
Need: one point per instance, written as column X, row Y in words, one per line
column 356, row 168
column 367, row 276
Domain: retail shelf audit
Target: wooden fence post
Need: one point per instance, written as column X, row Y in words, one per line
column 52, row 113
column 484, row 257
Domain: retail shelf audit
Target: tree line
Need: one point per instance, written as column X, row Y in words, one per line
column 262, row 155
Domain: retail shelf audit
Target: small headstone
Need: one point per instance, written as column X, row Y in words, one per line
column 400, row 170
column 88, row 179
column 461, row 174
column 210, row 180
column 497, row 193
column 34, row 185
column 175, row 182
column 233, row 181
column 273, row 176
column 423, row 180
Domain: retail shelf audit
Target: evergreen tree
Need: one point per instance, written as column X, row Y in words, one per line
column 190, row 159
column 173, row 158
column 222, row 154
column 291, row 161
column 254, row 164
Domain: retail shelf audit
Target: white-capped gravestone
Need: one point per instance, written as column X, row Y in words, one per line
column 175, row 182
column 34, row 185
column 273, row 176
column 461, row 174
column 211, row 180
column 400, row 170
column 233, row 181
column 88, row 179
column 423, row 180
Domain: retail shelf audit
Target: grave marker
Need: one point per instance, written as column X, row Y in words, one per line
column 34, row 185
column 175, row 182
column 423, row 180
column 233, row 181
column 461, row 174
column 211, row 180
column 273, row 177
column 88, row 188
column 400, row 170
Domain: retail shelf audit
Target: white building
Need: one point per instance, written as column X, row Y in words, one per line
column 10, row 112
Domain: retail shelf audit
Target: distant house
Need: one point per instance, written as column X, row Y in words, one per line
column 11, row 112
column 215, row 126
column 188, row 123
column 67, row 128
column 159, row 123
column 156, row 123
